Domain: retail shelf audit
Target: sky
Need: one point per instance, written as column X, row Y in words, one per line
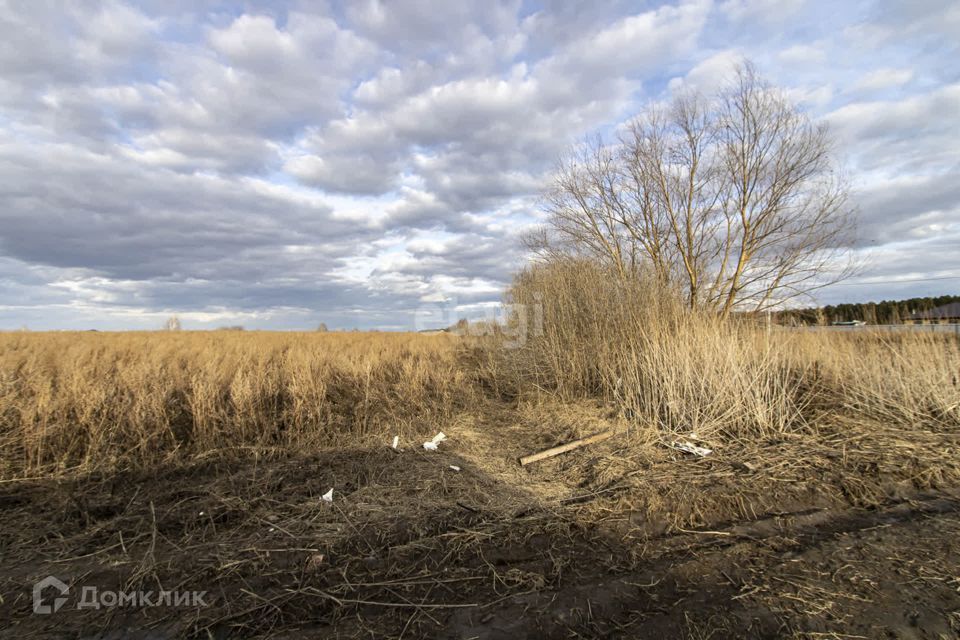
column 373, row 164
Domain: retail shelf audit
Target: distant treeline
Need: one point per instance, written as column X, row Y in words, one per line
column 884, row 312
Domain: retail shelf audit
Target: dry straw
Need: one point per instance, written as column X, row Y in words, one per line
column 108, row 401
column 672, row 370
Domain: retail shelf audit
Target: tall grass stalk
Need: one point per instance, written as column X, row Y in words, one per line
column 672, row 370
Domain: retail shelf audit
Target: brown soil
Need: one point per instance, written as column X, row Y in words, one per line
column 811, row 537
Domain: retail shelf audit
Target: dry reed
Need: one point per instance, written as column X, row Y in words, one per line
column 673, row 370
column 90, row 401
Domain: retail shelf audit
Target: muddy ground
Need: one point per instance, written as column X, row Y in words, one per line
column 793, row 537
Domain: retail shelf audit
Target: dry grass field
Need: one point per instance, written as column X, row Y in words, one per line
column 82, row 402
column 176, row 460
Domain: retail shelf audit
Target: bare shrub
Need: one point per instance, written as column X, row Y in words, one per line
column 734, row 198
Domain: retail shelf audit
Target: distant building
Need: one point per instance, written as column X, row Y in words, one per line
column 944, row 314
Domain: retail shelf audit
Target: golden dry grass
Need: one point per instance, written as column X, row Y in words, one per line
column 681, row 371
column 90, row 401
column 156, row 440
column 109, row 401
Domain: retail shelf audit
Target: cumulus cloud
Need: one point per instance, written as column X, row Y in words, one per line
column 767, row 12
column 475, row 140
column 886, row 78
column 916, row 133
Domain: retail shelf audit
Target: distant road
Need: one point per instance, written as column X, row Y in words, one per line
column 895, row 328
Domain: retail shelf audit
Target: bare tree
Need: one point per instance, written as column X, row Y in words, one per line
column 734, row 198
column 322, row 327
column 172, row 324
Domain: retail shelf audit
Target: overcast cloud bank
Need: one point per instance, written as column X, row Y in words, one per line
column 353, row 163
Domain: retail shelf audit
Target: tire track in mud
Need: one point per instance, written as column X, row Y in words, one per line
column 810, row 526
column 699, row 583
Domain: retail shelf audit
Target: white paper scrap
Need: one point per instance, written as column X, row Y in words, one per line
column 437, row 439
column 689, row 447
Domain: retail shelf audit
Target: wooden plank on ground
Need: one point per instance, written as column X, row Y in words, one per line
column 563, row 448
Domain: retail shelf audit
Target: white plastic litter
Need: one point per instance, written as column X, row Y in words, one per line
column 396, row 441
column 455, row 468
column 328, row 496
column 689, row 447
column 316, row 561
column 432, row 445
